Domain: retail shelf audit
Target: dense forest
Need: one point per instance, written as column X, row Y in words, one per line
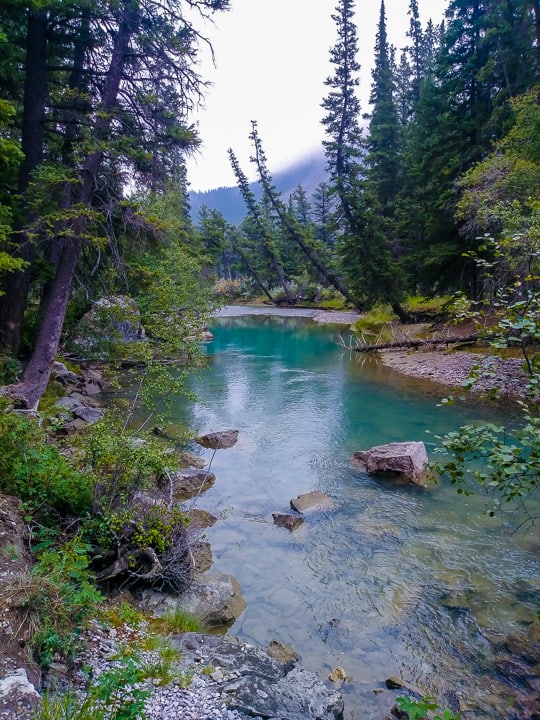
column 95, row 114
column 433, row 190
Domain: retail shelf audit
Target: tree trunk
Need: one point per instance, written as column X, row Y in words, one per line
column 536, row 8
column 71, row 121
column 15, row 285
column 402, row 314
column 411, row 344
column 37, row 373
column 254, row 274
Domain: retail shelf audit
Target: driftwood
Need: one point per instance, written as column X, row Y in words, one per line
column 411, row 344
column 141, row 563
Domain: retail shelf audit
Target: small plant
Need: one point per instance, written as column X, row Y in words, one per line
column 163, row 667
column 58, row 596
column 123, row 613
column 420, row 709
column 181, row 621
column 116, row 695
column 207, row 670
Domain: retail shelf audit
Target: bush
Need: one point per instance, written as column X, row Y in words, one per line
column 57, row 597
column 36, row 472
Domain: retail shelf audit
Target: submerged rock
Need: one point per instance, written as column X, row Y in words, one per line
column 406, row 459
column 287, row 521
column 314, row 500
column 282, row 652
column 255, row 685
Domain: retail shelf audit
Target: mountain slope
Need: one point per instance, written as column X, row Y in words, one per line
column 308, row 172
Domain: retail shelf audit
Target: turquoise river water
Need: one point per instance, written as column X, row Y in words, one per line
column 396, row 580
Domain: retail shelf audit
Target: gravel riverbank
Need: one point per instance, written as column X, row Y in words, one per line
column 505, row 376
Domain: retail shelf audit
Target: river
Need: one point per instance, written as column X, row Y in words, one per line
column 396, row 580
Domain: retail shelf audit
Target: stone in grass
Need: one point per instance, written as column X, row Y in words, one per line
column 218, row 440
column 214, row 598
column 287, row 521
column 312, row 501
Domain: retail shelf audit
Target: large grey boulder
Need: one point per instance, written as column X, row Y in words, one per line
column 18, row 697
column 255, row 685
column 111, row 321
column 408, row 460
column 215, row 599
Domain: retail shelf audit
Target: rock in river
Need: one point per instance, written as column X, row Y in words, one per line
column 218, row 440
column 314, row 500
column 408, row 460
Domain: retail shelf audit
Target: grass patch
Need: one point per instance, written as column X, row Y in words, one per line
column 179, row 620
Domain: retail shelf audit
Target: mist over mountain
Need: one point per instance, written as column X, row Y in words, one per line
column 308, row 172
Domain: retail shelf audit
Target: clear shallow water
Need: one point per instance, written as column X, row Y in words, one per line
column 396, row 580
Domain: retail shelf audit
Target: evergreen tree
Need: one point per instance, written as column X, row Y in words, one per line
column 343, row 146
column 382, row 158
column 323, row 216
column 119, row 82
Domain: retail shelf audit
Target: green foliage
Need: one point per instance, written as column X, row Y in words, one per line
column 58, row 597
column 120, row 463
column 10, row 369
column 121, row 613
column 506, row 464
column 115, row 695
column 420, row 709
column 141, row 527
column 179, row 620
column 34, row 470
column 504, row 460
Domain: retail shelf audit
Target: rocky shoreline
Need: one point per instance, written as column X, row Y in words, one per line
column 503, row 376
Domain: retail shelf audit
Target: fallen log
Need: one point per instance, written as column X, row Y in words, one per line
column 412, row 344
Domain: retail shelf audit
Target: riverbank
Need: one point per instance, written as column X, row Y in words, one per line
column 505, row 376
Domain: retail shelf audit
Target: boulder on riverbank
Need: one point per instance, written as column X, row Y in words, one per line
column 215, row 599
column 407, row 460
column 254, row 684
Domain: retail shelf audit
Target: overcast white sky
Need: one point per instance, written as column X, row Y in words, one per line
column 272, row 57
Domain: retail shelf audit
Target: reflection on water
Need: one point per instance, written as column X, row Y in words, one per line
column 396, row 580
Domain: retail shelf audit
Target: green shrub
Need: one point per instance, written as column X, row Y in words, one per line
column 116, row 695
column 9, row 369
column 57, row 597
column 419, row 709
column 120, row 464
column 35, row 471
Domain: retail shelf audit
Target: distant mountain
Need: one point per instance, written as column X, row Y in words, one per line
column 308, row 172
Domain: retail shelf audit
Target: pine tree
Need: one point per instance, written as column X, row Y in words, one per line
column 382, row 158
column 136, row 69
